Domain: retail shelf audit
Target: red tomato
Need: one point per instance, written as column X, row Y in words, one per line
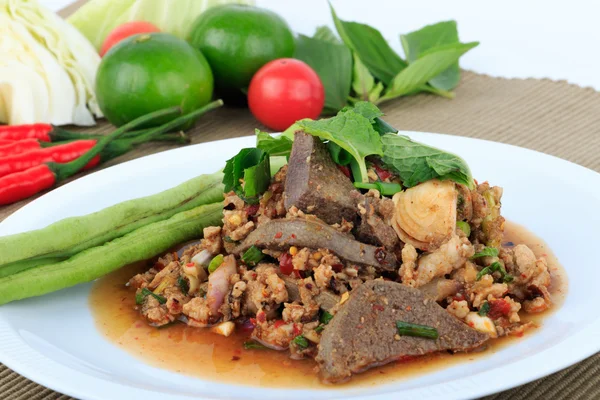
column 124, row 31
column 284, row 91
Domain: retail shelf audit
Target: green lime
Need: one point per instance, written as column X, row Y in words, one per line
column 237, row 40
column 149, row 72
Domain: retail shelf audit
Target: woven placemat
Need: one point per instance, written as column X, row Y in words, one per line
column 552, row 117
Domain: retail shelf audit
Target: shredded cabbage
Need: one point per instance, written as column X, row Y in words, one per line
column 97, row 18
column 47, row 67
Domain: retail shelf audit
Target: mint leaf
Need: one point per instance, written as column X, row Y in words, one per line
column 333, row 63
column 339, row 155
column 280, row 145
column 352, row 132
column 430, row 64
column 486, row 252
column 371, row 48
column 252, row 166
column 325, row 34
column 416, row 163
column 431, row 36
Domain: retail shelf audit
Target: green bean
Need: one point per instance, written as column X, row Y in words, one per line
column 90, row 264
column 65, row 238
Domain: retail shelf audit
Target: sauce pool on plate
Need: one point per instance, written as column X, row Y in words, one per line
column 207, row 355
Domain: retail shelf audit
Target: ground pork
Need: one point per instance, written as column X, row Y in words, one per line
column 212, row 239
column 448, row 257
column 264, row 289
column 409, row 265
column 460, row 309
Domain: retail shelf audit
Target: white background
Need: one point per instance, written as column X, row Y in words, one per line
column 519, row 38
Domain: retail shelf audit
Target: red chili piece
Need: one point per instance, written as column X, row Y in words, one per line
column 252, row 209
column 278, row 323
column 499, row 308
column 345, row 170
column 19, row 132
column 4, row 142
column 337, row 267
column 383, row 174
column 20, row 146
column 285, row 263
column 278, row 235
column 24, row 184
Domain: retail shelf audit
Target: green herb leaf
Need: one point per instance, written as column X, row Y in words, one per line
column 139, row 298
column 429, row 65
column 383, row 127
column 429, row 37
column 254, row 346
column 215, row 263
column 320, row 328
column 415, row 162
column 325, row 317
column 339, row 155
column 325, row 34
column 363, row 82
column 352, row 132
column 333, row 63
column 252, row 256
column 496, row 267
column 251, row 165
column 183, row 284
column 423, row 331
column 368, row 110
column 464, row 226
column 385, row 188
column 484, row 309
column 371, row 48
column 280, row 145
column 301, row 342
column 486, row 252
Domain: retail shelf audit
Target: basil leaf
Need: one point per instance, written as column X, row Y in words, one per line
column 333, row 63
column 352, row 132
column 274, row 145
column 325, row 34
column 415, row 162
column 371, row 48
column 368, row 110
column 430, row 64
column 486, row 252
column 429, row 37
column 251, row 165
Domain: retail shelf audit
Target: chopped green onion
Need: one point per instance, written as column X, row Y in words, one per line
column 465, row 227
column 253, row 346
column 215, row 263
column 139, row 298
column 385, row 188
column 301, row 342
column 325, row 317
column 183, row 284
column 252, row 256
column 496, row 267
column 423, row 331
column 484, row 309
column 486, row 252
column 320, row 328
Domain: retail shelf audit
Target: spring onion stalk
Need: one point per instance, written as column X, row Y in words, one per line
column 252, row 256
column 465, row 227
column 253, row 346
column 385, row 188
column 301, row 342
column 423, row 331
column 215, row 263
column 139, row 298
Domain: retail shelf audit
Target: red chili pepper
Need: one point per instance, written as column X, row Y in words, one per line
column 20, row 132
column 4, row 142
column 278, row 323
column 19, row 146
column 63, row 153
column 499, row 308
column 26, row 183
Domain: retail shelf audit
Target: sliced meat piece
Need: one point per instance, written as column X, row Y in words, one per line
column 315, row 184
column 441, row 288
column 363, row 333
column 371, row 227
column 325, row 300
column 280, row 234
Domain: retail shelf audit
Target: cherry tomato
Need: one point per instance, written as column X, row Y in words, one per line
column 284, row 91
column 124, row 31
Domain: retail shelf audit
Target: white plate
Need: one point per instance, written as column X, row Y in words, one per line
column 52, row 339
